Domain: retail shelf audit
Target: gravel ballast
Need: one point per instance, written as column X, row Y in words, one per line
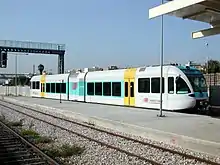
column 95, row 153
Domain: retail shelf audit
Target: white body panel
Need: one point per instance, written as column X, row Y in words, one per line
column 59, row 78
column 35, row 92
column 106, row 76
column 171, row 101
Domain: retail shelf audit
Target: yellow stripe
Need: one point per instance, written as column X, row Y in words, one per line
column 42, row 81
column 129, row 76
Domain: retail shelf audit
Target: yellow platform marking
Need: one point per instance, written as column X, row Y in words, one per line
column 42, row 85
column 129, row 80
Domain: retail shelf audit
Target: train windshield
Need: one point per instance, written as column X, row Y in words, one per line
column 198, row 82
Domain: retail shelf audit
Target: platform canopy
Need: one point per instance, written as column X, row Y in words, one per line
column 207, row 11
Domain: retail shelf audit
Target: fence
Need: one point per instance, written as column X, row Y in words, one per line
column 212, row 79
column 11, row 90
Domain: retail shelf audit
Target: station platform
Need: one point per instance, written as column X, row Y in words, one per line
column 196, row 132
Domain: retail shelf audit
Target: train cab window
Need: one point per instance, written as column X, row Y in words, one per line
column 155, row 85
column 132, row 89
column 98, row 88
column 63, row 87
column 126, row 89
column 52, row 88
column 116, row 89
column 107, row 89
column 144, row 85
column 181, row 86
column 58, row 87
column 37, row 85
column 170, row 85
column 90, row 88
column 48, row 87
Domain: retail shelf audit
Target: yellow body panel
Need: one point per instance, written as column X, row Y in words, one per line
column 42, row 85
column 129, row 83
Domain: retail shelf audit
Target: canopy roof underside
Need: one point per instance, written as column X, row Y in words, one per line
column 207, row 11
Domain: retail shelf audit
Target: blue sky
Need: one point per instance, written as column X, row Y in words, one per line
column 101, row 33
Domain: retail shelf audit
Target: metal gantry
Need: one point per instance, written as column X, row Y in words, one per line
column 34, row 47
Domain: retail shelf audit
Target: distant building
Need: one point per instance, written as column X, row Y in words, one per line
column 196, row 65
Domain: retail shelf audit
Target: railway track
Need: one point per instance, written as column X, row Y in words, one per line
column 14, row 149
column 157, row 150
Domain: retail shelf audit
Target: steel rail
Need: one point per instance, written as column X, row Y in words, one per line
column 110, row 133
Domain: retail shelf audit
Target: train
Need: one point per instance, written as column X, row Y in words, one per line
column 183, row 87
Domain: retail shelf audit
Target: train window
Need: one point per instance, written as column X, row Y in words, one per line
column 90, row 88
column 155, row 85
column 98, row 88
column 63, row 87
column 171, row 85
column 52, row 88
column 132, row 89
column 126, row 89
column 144, row 85
column 37, row 85
column 107, row 89
column 116, row 89
column 33, row 86
column 58, row 86
column 181, row 86
column 48, row 87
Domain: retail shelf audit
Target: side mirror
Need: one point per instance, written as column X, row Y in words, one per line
column 177, row 78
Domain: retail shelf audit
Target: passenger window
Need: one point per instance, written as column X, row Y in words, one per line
column 58, row 90
column 107, row 89
column 63, row 87
column 98, row 88
column 48, row 87
column 171, row 85
column 37, row 85
column 155, row 85
column 132, row 89
column 90, row 88
column 53, row 88
column 33, row 85
column 181, row 86
column 116, row 89
column 144, row 85
column 126, row 89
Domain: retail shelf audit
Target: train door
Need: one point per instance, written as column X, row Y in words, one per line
column 129, row 98
column 129, row 83
column 42, row 89
column 42, row 85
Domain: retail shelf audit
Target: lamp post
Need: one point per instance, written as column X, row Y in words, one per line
column 161, row 68
column 16, row 74
column 60, row 90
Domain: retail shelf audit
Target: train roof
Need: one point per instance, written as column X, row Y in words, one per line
column 51, row 77
column 153, row 68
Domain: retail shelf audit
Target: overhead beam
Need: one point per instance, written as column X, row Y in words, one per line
column 206, row 32
column 171, row 6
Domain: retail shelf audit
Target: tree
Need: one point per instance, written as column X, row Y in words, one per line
column 213, row 66
column 21, row 80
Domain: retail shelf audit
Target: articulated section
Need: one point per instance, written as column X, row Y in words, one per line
column 207, row 11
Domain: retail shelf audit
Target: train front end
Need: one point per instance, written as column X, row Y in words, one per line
column 199, row 86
